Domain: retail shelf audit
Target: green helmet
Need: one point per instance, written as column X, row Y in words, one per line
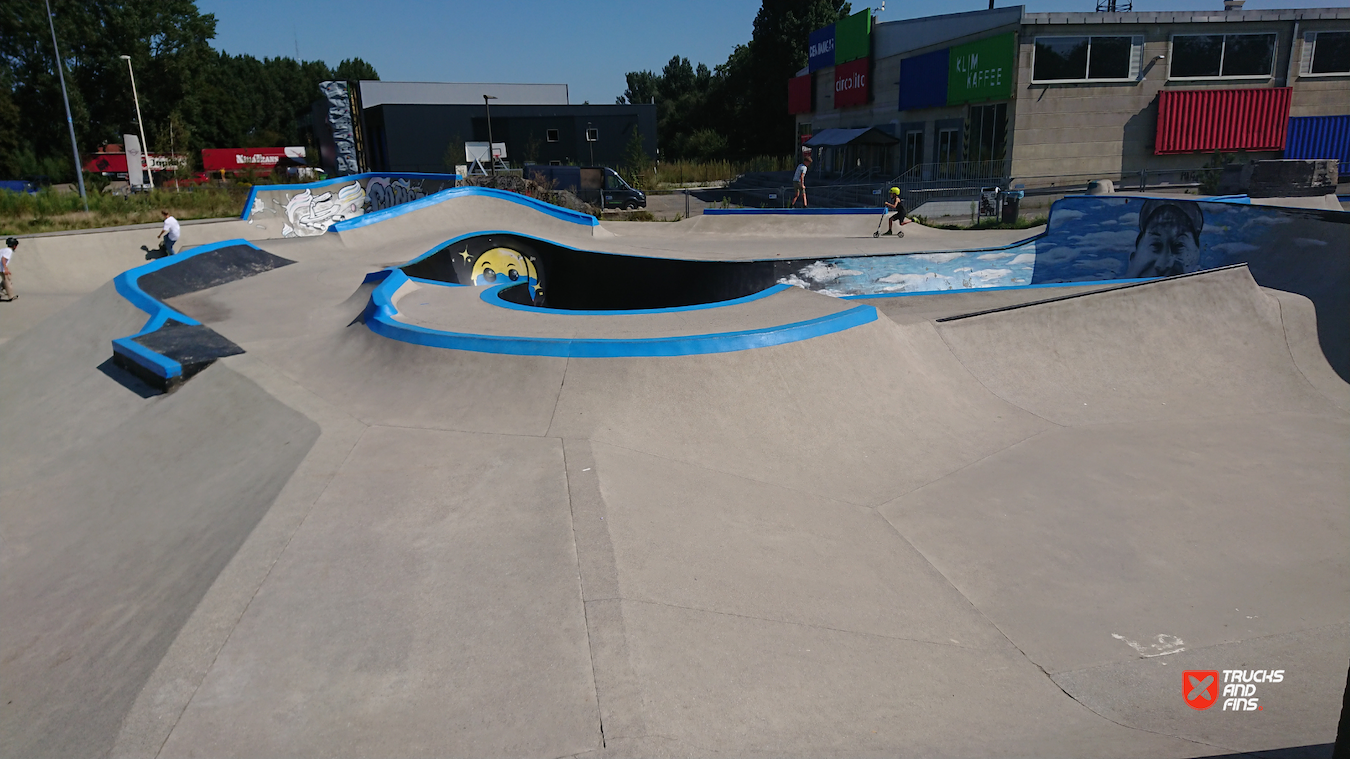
column 895, row 190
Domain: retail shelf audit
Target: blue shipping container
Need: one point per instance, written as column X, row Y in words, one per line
column 923, row 80
column 1319, row 137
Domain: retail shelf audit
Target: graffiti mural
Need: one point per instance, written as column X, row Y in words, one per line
column 308, row 214
column 383, row 192
column 307, row 210
column 1096, row 238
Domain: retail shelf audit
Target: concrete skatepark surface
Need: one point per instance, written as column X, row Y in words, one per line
column 983, row 523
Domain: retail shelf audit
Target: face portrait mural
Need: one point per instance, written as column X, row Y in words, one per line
column 1169, row 239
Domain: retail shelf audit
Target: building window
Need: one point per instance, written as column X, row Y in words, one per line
column 949, row 146
column 913, row 149
column 1211, row 56
column 1081, row 59
column 1326, row 53
column 988, row 132
column 592, row 134
column 551, row 135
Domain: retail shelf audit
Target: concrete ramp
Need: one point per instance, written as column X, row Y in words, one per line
column 1197, row 345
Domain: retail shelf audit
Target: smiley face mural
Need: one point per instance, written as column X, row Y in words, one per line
column 499, row 266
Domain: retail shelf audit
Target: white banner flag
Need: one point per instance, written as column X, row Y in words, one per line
column 135, row 172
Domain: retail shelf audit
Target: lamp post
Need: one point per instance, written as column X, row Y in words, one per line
column 590, row 143
column 145, row 146
column 79, row 171
column 491, row 158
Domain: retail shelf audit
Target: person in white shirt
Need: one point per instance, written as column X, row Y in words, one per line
column 799, row 179
column 6, row 283
column 170, row 232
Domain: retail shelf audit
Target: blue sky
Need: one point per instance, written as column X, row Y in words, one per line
column 584, row 44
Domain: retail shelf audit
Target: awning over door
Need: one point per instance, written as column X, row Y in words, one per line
column 829, row 138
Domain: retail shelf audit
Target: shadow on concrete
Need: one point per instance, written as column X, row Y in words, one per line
column 126, row 379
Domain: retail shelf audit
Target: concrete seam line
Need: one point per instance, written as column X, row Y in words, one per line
column 200, row 632
column 987, row 389
column 967, row 465
column 272, row 565
column 738, row 475
column 807, row 625
column 557, row 398
column 581, row 589
column 1018, row 648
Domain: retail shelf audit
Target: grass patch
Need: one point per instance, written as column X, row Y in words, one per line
column 51, row 211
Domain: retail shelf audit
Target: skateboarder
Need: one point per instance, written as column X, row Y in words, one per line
column 170, row 232
column 799, row 179
column 898, row 205
column 6, row 283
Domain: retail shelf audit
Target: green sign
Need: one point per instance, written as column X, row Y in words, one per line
column 982, row 70
column 853, row 37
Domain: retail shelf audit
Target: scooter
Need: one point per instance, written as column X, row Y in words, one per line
column 877, row 233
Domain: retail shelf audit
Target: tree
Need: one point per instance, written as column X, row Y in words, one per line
column 354, row 70
column 739, row 108
column 214, row 99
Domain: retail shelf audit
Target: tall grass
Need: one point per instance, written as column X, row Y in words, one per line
column 52, row 211
column 676, row 173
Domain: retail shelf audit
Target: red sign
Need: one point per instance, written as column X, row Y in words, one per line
column 238, row 159
column 1200, row 687
column 851, row 81
column 799, row 94
column 116, row 163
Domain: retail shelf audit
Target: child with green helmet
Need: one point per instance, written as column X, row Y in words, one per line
column 896, row 204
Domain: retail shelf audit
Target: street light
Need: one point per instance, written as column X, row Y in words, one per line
column 590, row 143
column 79, row 170
column 145, row 146
column 491, row 158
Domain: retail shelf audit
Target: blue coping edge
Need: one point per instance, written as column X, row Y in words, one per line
column 380, row 318
column 557, row 212
column 128, row 286
column 792, row 211
column 492, row 297
column 255, row 189
column 1083, row 283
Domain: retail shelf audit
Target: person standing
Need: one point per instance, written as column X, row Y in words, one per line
column 799, row 179
column 170, row 232
column 6, row 282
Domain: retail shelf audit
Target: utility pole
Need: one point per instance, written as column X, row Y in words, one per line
column 79, row 171
column 491, row 157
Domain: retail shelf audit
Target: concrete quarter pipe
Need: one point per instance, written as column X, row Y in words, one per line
column 1007, row 521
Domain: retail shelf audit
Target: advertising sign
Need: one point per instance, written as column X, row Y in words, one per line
column 923, row 80
column 853, row 37
column 263, row 159
column 799, row 94
column 820, row 54
column 851, row 83
column 982, row 70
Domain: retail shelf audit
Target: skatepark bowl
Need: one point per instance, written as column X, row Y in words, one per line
column 460, row 473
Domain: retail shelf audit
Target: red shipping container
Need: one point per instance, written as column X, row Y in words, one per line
column 851, row 83
column 799, row 94
column 1203, row 121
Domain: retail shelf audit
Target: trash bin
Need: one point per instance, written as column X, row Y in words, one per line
column 1012, row 203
